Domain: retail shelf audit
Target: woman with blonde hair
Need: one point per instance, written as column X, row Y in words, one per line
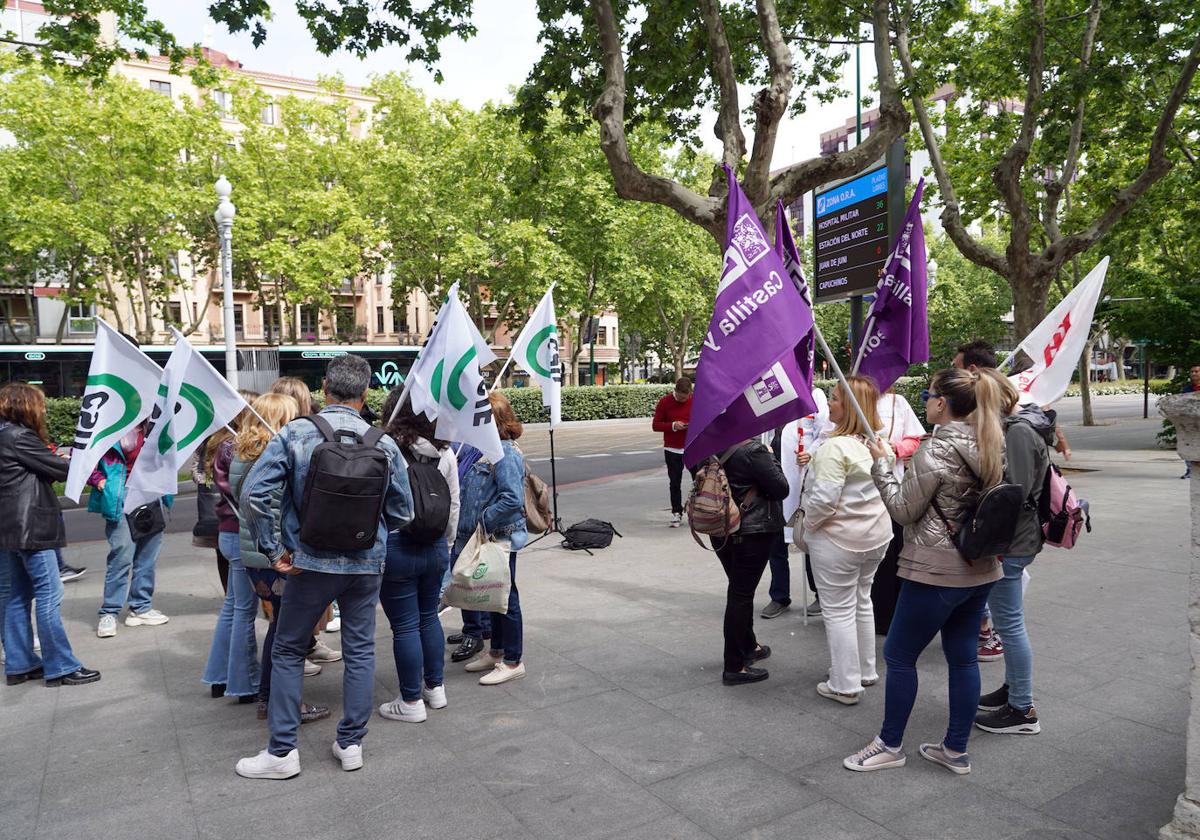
column 277, row 410
column 847, row 531
column 295, row 388
column 941, row 592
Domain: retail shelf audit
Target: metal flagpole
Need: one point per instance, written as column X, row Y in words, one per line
column 862, row 350
column 500, row 375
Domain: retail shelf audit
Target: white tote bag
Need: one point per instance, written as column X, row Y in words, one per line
column 480, row 580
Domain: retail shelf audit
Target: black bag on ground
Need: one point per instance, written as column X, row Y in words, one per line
column 589, row 534
column 431, row 499
column 348, row 477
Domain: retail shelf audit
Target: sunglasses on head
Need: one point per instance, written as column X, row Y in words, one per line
column 927, row 395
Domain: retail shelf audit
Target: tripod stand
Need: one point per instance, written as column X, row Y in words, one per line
column 556, row 522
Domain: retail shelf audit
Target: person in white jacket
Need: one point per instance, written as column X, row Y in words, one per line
column 412, row 576
column 797, row 442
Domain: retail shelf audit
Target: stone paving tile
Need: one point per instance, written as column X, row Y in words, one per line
column 1116, row 806
column 538, row 758
column 649, row 752
column 822, row 820
column 973, row 813
column 296, row 812
column 674, row 827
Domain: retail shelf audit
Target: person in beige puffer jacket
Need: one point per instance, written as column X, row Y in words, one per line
column 941, row 592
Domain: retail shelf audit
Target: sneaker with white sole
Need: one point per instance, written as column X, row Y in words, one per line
column 958, row 764
column 335, row 623
column 311, row 669
column 351, row 756
column 267, row 766
column 323, row 653
column 1009, row 721
column 483, row 661
column 676, row 520
column 435, row 697
column 836, row 696
column 107, row 628
column 401, row 709
column 149, row 618
column 502, row 673
column 875, row 756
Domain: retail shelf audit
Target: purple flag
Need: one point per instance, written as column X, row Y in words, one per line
column 749, row 379
column 785, row 246
column 898, row 326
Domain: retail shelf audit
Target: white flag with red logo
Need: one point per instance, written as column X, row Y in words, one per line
column 1056, row 344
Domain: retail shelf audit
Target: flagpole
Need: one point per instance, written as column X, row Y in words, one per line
column 862, row 350
column 837, row 369
column 500, row 375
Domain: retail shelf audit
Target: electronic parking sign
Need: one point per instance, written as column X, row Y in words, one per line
column 853, row 223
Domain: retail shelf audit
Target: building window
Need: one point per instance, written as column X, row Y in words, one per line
column 224, row 100
column 345, row 319
column 267, row 114
column 602, row 337
column 379, row 328
column 309, row 323
column 173, row 313
column 271, row 327
column 399, row 320
column 195, row 312
column 239, row 321
column 82, row 319
column 161, row 87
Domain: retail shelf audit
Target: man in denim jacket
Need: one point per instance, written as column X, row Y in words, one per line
column 318, row 577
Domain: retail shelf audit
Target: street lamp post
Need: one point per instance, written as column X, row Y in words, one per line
column 224, row 218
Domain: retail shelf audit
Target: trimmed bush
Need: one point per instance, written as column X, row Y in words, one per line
column 62, row 414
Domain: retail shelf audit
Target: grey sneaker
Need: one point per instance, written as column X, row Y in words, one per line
column 937, row 754
column 774, row 609
column 875, row 756
column 813, row 609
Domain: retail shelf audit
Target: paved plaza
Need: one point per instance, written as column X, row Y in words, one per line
column 622, row 728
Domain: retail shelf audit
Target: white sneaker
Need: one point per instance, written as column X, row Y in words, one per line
column 335, row 623
column 351, row 756
column 311, row 669
column 435, row 697
column 676, row 520
column 267, row 766
column 502, row 673
column 875, row 756
column 151, row 618
column 483, row 661
column 838, row 697
column 401, row 709
column 324, row 653
column 107, row 628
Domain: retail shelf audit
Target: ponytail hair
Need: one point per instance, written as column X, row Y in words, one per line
column 978, row 399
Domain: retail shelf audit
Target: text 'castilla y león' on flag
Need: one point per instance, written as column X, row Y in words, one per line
column 751, row 376
column 192, row 401
column 447, row 384
column 120, row 380
column 897, row 333
column 536, row 352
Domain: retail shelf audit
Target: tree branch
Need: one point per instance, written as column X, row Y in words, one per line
column 799, row 178
column 629, row 180
column 970, row 247
column 1157, row 165
column 729, row 125
column 770, row 103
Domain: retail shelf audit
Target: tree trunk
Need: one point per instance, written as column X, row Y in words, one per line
column 1029, row 304
column 1085, row 385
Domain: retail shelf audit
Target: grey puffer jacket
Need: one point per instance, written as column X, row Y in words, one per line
column 943, row 468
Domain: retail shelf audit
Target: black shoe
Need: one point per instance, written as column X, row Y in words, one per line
column 467, row 649
column 750, row 675
column 763, row 652
column 217, row 690
column 80, row 676
column 243, row 699
column 67, row 573
column 1009, row 721
column 456, row 639
column 995, row 701
column 17, row 679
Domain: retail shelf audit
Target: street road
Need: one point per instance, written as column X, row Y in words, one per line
column 600, row 450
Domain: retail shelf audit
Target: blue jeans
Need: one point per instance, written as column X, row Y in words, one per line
column 781, row 573
column 921, row 612
column 507, row 629
column 305, row 599
column 1008, row 617
column 412, row 580
column 233, row 656
column 123, row 554
column 34, row 575
column 268, row 586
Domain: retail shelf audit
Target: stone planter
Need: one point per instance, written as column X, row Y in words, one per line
column 1184, row 411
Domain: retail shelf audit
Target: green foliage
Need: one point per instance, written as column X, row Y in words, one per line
column 965, row 302
column 62, row 415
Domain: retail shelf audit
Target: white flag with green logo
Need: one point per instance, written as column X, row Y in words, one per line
column 202, row 403
column 118, row 395
column 448, row 385
column 536, row 351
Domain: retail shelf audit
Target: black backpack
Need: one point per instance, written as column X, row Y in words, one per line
column 348, row 478
column 431, row 499
column 589, row 534
column 988, row 528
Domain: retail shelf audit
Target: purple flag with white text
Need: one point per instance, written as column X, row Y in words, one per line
column 749, row 378
column 898, row 326
column 785, row 246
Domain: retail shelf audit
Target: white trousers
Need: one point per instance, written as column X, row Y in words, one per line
column 844, row 583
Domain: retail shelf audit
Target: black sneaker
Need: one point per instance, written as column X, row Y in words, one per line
column 995, row 701
column 67, row 573
column 1009, row 721
column 467, row 649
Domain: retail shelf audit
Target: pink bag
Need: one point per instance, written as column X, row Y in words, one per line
column 1063, row 514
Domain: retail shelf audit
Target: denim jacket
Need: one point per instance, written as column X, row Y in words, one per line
column 495, row 495
column 284, row 463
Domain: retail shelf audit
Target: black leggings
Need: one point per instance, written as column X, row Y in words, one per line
column 744, row 559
